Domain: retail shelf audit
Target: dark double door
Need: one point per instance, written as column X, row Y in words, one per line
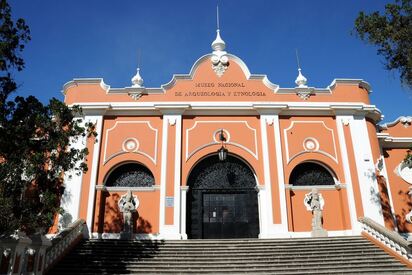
column 222, row 200
column 228, row 215
column 223, row 214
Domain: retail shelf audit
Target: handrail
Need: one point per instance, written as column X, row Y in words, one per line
column 64, row 241
column 387, row 237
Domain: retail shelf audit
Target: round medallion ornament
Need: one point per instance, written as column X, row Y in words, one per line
column 405, row 172
column 130, row 145
column 310, row 144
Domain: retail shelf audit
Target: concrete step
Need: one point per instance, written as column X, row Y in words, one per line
column 286, row 256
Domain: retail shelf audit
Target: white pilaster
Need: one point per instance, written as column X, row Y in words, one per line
column 340, row 121
column 163, row 170
column 183, row 192
column 366, row 170
column 384, row 172
column 98, row 121
column 172, row 117
column 266, row 209
column 281, row 176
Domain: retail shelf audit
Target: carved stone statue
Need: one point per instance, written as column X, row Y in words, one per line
column 313, row 200
column 128, row 206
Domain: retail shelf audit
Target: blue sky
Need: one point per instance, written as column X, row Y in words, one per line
column 91, row 38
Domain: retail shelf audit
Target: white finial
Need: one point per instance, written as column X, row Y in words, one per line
column 137, row 80
column 300, row 80
column 218, row 44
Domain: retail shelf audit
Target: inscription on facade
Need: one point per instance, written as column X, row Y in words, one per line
column 226, row 89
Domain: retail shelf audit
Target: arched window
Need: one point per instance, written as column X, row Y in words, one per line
column 130, row 175
column 310, row 174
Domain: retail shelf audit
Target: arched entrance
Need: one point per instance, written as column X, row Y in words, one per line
column 222, row 200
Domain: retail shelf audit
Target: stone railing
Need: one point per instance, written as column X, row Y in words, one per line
column 390, row 239
column 64, row 241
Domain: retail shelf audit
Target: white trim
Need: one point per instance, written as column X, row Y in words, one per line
column 396, row 121
column 189, row 155
column 227, row 107
column 281, row 176
column 292, row 124
column 319, row 187
column 232, row 57
column 125, row 189
column 340, row 120
column 369, row 190
column 94, row 169
column 152, row 158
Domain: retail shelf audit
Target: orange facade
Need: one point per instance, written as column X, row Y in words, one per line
column 290, row 139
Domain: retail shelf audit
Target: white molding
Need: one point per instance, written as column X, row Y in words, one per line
column 396, row 121
column 340, row 120
column 388, row 141
column 366, row 170
column 255, row 154
column 152, row 158
column 227, row 107
column 125, row 189
column 289, row 158
column 93, row 171
column 232, row 57
column 319, row 187
column 83, row 81
column 281, row 176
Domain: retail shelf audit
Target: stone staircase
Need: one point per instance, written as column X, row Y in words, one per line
column 236, row 256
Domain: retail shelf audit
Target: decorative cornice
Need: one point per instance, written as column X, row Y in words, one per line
column 388, row 141
column 405, row 120
column 347, row 81
column 85, row 81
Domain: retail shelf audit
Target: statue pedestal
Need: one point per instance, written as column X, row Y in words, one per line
column 126, row 235
column 318, row 233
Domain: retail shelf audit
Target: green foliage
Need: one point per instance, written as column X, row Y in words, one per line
column 34, row 142
column 392, row 34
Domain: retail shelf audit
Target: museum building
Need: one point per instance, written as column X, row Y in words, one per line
column 224, row 153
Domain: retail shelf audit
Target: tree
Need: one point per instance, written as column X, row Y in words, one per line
column 34, row 142
column 392, row 34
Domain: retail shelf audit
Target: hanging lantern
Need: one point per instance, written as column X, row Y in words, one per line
column 222, row 152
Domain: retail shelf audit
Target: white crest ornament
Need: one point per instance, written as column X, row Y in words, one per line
column 219, row 64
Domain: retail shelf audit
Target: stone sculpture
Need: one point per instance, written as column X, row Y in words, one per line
column 313, row 199
column 127, row 206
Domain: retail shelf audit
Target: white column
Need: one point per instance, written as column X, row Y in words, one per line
column 340, row 121
column 366, row 170
column 98, row 121
column 70, row 200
